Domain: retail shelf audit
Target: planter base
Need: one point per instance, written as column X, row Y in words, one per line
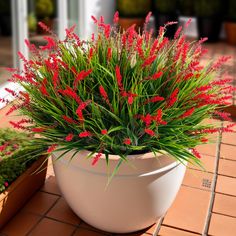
column 21, row 190
column 136, row 197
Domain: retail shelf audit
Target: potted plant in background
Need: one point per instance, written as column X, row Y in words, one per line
column 230, row 23
column 209, row 18
column 122, row 114
column 22, row 170
column 32, row 23
column 44, row 11
column 166, row 11
column 133, row 12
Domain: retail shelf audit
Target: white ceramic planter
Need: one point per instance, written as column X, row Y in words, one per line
column 136, row 197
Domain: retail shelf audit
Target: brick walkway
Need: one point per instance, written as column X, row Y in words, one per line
column 205, row 204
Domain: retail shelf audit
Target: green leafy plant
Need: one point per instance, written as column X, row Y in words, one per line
column 231, row 11
column 208, row 8
column 130, row 8
column 166, row 6
column 44, row 8
column 18, row 151
column 32, row 22
column 122, row 93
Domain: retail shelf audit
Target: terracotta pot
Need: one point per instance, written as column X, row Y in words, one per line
column 125, row 23
column 21, row 190
column 138, row 195
column 230, row 29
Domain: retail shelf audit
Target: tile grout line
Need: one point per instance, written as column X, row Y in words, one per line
column 42, row 217
column 214, row 181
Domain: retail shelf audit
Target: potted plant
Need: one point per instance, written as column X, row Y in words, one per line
column 122, row 114
column 133, row 12
column 20, row 175
column 44, row 11
column 166, row 11
column 209, row 18
column 230, row 24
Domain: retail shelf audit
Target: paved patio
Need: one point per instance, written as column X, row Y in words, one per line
column 205, row 204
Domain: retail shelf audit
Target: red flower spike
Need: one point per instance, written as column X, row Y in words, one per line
column 104, row 131
column 188, row 113
column 38, row 130
column 196, row 153
column 90, row 53
column 69, row 119
column 109, row 54
column 94, row 19
column 188, row 23
column 116, row 17
column 3, row 147
column 96, row 158
column 82, row 75
column 118, row 77
column 173, row 98
column 154, row 99
column 204, row 140
column 147, row 19
column 127, row 141
column 85, row 134
column 223, row 115
column 52, row 148
column 157, row 75
column 177, row 33
column 17, row 125
column 147, row 119
column 55, row 79
column 188, row 76
column 149, row 61
column 130, row 100
column 69, row 137
column 50, row 44
column 149, row 132
column 103, row 92
column 43, row 87
column 70, row 93
column 6, row 184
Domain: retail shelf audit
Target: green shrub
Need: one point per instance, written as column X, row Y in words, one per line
column 133, row 8
column 44, row 8
column 17, row 152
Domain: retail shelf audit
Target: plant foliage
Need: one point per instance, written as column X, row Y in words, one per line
column 122, row 93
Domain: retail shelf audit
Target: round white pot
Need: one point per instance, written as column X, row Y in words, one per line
column 136, row 198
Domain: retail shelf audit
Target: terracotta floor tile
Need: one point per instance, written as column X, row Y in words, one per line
column 40, row 203
column 189, row 210
column 86, row 226
column 198, row 179
column 62, row 212
column 86, row 232
column 48, row 227
column 21, row 224
column 207, row 161
column 167, row 231
column 225, row 204
column 51, row 186
column 208, row 149
column 229, row 138
column 222, row 225
column 228, row 152
column 227, row 167
column 226, row 185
